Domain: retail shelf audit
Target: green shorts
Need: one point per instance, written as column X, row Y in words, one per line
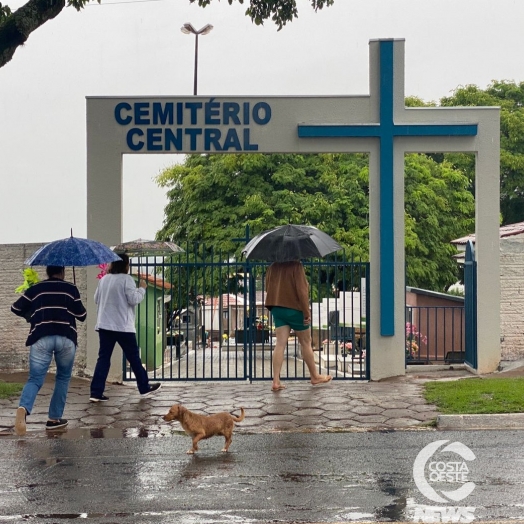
column 284, row 316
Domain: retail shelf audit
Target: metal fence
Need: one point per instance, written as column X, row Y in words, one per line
column 435, row 334
column 204, row 318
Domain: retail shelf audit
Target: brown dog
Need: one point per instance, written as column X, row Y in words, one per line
column 204, row 426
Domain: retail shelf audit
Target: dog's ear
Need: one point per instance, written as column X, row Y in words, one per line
column 181, row 409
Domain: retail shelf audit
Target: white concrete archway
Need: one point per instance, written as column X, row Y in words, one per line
column 378, row 124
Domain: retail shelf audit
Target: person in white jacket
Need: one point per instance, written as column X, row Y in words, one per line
column 116, row 298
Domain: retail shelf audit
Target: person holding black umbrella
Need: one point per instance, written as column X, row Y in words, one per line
column 52, row 307
column 288, row 300
column 287, row 287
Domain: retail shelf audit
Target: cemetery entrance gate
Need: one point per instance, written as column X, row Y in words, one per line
column 378, row 123
column 204, row 318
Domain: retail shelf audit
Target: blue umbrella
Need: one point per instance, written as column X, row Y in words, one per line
column 72, row 251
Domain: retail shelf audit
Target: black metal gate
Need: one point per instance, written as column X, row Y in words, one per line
column 204, row 318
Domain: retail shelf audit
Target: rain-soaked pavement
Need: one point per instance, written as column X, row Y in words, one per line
column 97, row 475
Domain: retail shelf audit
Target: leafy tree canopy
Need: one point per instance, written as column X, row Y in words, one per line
column 15, row 27
column 510, row 97
column 280, row 11
column 211, row 198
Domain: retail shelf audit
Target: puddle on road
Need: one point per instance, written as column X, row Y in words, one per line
column 89, row 433
column 194, row 516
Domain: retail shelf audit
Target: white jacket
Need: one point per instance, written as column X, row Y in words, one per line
column 116, row 297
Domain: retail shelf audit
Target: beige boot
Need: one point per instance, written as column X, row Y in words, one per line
column 20, row 427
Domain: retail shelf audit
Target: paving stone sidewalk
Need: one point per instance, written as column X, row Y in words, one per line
column 339, row 405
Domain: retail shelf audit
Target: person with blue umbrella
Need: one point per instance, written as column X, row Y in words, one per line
column 52, row 308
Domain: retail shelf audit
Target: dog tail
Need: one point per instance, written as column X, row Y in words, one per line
column 239, row 419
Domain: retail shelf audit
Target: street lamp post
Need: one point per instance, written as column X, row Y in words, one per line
column 189, row 29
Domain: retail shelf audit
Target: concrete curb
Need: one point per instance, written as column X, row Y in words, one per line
column 496, row 421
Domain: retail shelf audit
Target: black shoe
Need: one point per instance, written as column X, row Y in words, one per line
column 101, row 398
column 55, row 424
column 152, row 389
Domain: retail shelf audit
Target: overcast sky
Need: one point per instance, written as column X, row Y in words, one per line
column 122, row 48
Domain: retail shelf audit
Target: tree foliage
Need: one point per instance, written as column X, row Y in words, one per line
column 280, row 11
column 510, row 97
column 15, row 27
column 211, row 198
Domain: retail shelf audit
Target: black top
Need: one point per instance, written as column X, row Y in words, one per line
column 52, row 307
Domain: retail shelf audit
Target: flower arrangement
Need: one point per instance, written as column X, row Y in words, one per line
column 103, row 270
column 414, row 339
column 30, row 278
column 261, row 322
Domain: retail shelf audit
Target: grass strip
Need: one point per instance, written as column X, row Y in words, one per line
column 10, row 389
column 477, row 395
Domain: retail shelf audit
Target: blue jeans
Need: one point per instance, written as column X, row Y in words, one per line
column 40, row 357
column 129, row 345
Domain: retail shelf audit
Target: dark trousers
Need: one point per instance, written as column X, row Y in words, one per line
column 128, row 343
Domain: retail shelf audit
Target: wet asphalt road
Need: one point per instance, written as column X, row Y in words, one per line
column 284, row 477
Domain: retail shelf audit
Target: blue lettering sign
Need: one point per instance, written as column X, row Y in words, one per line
column 247, row 145
column 171, row 138
column 212, row 112
column 161, row 115
column 179, row 113
column 193, row 133
column 194, row 107
column 138, row 145
column 230, row 112
column 211, row 138
column 142, row 114
column 232, row 140
column 267, row 113
column 154, row 139
column 246, row 113
column 118, row 113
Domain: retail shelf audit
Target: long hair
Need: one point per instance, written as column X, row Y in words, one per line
column 120, row 266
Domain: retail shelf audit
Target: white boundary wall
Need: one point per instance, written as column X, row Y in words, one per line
column 14, row 330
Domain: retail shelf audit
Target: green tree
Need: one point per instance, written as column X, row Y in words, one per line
column 15, row 27
column 438, row 208
column 510, row 97
column 213, row 197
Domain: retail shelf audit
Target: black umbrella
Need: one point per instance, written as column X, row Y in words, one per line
column 290, row 242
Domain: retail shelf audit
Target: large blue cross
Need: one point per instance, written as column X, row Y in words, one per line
column 386, row 130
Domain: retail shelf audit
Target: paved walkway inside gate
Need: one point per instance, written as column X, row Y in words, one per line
column 338, row 406
column 228, row 363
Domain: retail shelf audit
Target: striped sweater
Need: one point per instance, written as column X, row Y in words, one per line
column 52, row 308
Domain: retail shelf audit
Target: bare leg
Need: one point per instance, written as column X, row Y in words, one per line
column 304, row 337
column 282, row 333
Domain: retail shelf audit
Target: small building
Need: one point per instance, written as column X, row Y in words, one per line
column 151, row 321
column 435, row 326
